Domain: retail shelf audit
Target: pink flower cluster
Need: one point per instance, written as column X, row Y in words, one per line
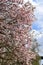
column 15, row 23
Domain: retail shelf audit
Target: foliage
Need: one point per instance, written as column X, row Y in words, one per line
column 36, row 61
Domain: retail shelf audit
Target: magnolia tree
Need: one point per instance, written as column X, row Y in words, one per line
column 16, row 18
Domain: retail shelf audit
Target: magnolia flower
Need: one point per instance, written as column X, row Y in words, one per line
column 15, row 39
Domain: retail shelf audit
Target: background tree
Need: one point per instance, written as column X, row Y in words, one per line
column 35, row 47
column 16, row 18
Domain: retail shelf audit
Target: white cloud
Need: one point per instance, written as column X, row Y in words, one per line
column 33, row 3
column 36, row 34
column 39, row 9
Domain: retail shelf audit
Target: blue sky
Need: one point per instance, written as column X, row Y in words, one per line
column 38, row 24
